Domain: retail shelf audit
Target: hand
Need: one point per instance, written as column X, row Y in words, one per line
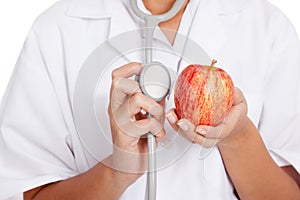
column 208, row 136
column 128, row 124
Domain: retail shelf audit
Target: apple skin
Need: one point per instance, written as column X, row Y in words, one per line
column 203, row 94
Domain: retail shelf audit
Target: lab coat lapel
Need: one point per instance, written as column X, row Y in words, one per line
column 114, row 10
column 118, row 17
column 88, row 9
column 209, row 28
column 122, row 21
column 119, row 11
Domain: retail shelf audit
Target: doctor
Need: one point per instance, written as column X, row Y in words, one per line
column 257, row 153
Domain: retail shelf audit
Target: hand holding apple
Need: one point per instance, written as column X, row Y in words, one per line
column 203, row 94
column 208, row 107
column 208, row 136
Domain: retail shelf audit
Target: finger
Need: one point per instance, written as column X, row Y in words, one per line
column 120, row 74
column 139, row 101
column 205, row 142
column 157, row 129
column 210, row 132
column 172, row 119
column 127, row 111
column 237, row 112
column 142, row 127
column 127, row 70
column 120, row 90
column 186, row 129
column 159, row 136
column 162, row 103
column 152, row 126
column 238, row 97
column 125, row 86
column 238, row 109
column 223, row 129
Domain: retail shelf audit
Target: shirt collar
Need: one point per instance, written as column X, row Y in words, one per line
column 97, row 9
column 90, row 9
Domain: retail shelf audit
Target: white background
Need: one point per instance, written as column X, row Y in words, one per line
column 16, row 17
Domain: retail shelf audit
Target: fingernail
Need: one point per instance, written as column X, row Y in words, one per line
column 143, row 112
column 171, row 118
column 183, row 126
column 201, row 131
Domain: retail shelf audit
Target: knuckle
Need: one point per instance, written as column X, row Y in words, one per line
column 161, row 135
column 135, row 63
column 157, row 110
column 155, row 125
column 160, row 110
column 149, row 124
column 115, row 82
column 136, row 86
column 152, row 122
column 137, row 98
column 133, row 85
column 115, row 73
column 109, row 109
column 113, row 90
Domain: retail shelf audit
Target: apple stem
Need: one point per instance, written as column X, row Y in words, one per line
column 213, row 63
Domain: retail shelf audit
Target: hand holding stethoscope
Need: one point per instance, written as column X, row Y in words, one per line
column 129, row 125
column 154, row 83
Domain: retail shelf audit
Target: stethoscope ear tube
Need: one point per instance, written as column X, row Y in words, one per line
column 158, row 18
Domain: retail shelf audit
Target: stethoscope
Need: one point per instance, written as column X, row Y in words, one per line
column 93, row 134
column 155, row 82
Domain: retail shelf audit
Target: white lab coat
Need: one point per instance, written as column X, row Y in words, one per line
column 252, row 40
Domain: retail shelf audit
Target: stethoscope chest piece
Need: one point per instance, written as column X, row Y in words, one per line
column 155, row 81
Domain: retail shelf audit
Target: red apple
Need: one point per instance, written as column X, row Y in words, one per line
column 203, row 94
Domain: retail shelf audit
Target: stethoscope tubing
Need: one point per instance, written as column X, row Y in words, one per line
column 151, row 22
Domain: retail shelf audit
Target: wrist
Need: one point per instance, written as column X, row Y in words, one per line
column 240, row 137
column 124, row 178
column 118, row 176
